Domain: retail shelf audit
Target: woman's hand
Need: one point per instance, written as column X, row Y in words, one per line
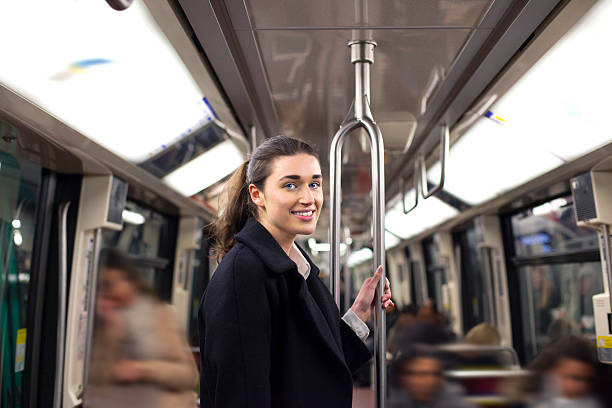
column 128, row 371
column 365, row 299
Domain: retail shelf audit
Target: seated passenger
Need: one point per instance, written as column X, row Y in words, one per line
column 568, row 371
column 140, row 355
column 483, row 334
column 418, row 381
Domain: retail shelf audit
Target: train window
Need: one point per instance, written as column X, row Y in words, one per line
column 149, row 238
column 558, row 271
column 557, row 301
column 551, row 228
column 20, row 182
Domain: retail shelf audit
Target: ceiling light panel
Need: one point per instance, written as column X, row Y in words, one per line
column 206, row 169
column 427, row 214
column 543, row 121
column 111, row 75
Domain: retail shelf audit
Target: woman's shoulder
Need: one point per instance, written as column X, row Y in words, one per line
column 239, row 263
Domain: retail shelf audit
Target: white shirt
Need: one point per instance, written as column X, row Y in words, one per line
column 350, row 318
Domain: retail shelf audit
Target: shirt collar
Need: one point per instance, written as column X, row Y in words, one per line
column 257, row 238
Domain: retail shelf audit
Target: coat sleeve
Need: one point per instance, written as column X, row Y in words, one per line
column 236, row 337
column 356, row 353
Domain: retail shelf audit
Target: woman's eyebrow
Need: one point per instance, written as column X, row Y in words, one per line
column 296, row 177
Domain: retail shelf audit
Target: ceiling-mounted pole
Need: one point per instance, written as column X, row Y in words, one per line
column 360, row 116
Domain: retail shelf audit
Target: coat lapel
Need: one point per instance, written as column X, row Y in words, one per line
column 315, row 316
column 313, row 298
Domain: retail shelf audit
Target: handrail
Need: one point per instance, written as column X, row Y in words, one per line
column 444, row 142
column 416, row 189
column 360, row 116
column 91, row 308
column 62, row 282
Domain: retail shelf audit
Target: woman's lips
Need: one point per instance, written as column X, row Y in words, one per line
column 304, row 215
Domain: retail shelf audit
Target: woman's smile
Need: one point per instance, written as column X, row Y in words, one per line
column 305, row 215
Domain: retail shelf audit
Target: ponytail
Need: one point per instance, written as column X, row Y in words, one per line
column 238, row 208
column 238, row 204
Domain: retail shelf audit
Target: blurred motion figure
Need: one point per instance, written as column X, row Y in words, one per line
column 418, row 374
column 140, row 356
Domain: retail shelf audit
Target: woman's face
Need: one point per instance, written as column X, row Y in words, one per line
column 116, row 291
column 292, row 196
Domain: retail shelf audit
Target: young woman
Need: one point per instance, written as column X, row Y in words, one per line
column 270, row 332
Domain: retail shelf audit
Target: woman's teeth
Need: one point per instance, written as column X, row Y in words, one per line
column 303, row 213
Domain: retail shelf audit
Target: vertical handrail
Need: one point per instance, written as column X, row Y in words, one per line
column 444, row 141
column 605, row 231
column 93, row 284
column 61, row 303
column 360, row 116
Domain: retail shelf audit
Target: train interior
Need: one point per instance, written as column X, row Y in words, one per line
column 491, row 202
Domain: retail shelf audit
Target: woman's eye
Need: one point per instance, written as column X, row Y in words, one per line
column 315, row 185
column 290, row 186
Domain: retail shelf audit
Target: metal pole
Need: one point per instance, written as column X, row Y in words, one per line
column 61, row 305
column 362, row 55
column 605, row 231
column 93, row 283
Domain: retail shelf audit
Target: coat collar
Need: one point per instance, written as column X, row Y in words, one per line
column 257, row 238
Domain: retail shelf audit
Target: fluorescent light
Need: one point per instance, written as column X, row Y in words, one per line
column 113, row 76
column 543, row 124
column 549, row 207
column 16, row 223
column 490, row 159
column 17, row 238
column 391, row 240
column 427, row 214
column 206, row 169
column 324, row 246
column 359, row 257
column 132, row 217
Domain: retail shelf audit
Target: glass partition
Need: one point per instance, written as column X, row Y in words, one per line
column 19, row 184
column 557, row 301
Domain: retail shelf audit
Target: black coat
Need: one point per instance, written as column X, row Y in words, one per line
column 269, row 338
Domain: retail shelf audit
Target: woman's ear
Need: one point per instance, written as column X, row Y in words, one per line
column 257, row 196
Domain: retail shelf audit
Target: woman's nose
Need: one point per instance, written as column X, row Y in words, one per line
column 307, row 197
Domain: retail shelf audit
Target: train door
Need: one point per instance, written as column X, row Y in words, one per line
column 479, row 255
column 19, row 203
column 34, row 219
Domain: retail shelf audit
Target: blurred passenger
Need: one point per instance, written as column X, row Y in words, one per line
column 483, row 334
column 140, row 355
column 479, row 357
column 559, row 329
column 406, row 317
column 568, row 371
column 418, row 381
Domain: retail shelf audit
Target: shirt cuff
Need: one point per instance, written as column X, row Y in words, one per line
column 356, row 324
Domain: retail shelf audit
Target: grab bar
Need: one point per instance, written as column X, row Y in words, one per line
column 62, row 282
column 360, row 116
column 443, row 153
column 416, row 185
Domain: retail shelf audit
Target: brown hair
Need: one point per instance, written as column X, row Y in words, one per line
column 111, row 258
column 239, row 206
